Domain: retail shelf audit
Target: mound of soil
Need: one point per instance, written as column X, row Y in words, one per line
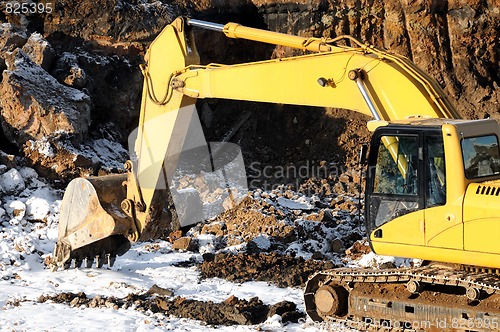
column 230, row 312
column 283, row 271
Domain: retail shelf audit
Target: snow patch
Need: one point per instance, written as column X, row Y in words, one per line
column 301, row 203
column 12, row 182
column 43, row 147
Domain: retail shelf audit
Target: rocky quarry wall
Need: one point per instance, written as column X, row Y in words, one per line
column 70, row 88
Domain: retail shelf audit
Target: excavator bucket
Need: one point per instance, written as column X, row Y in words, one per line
column 91, row 222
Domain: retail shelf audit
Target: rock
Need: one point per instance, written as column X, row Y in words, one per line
column 12, row 182
column 185, row 243
column 316, row 216
column 287, row 310
column 39, row 51
column 337, row 246
column 155, row 289
column 74, row 302
column 8, row 160
column 36, row 106
column 37, row 209
column 207, row 257
column 232, row 300
column 16, row 209
column 28, row 173
column 58, row 158
column 358, row 249
column 173, row 236
column 216, row 228
column 68, row 71
column 11, row 37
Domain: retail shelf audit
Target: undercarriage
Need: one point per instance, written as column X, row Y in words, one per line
column 428, row 298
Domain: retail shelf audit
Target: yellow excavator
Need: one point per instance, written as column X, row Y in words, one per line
column 432, row 186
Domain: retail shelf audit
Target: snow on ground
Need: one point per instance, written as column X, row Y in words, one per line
column 28, row 231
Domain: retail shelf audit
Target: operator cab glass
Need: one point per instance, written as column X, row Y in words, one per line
column 481, row 156
column 406, row 174
column 395, row 178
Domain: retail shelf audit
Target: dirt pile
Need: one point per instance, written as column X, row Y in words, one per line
column 232, row 311
column 319, row 218
column 283, row 271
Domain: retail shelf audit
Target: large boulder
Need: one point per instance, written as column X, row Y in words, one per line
column 35, row 105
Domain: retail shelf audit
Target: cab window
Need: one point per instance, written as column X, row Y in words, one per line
column 481, row 156
column 435, row 194
column 396, row 169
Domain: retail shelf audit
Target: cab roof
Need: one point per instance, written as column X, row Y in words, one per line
column 460, row 124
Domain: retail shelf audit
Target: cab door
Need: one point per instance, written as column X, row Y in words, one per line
column 443, row 222
column 394, row 192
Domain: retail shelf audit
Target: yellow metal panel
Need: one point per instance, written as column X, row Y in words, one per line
column 438, row 254
column 442, row 228
column 165, row 113
column 443, row 224
column 482, row 218
column 406, row 229
column 235, row 30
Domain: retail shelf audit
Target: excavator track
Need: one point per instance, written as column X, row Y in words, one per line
column 428, row 298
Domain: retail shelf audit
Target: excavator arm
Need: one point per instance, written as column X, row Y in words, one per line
column 101, row 216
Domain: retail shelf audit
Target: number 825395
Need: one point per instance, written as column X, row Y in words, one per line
column 14, row 7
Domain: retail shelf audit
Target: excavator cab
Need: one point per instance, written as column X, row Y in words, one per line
column 420, row 176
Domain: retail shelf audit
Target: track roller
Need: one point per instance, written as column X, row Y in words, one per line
column 414, row 286
column 473, row 294
column 331, row 300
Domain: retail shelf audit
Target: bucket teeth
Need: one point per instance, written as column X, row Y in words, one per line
column 88, row 262
column 78, row 263
column 103, row 252
column 111, row 260
column 99, row 261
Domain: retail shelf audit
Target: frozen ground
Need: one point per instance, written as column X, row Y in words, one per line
column 27, row 235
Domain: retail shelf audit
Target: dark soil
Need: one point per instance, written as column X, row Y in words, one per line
column 230, row 312
column 283, row 271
